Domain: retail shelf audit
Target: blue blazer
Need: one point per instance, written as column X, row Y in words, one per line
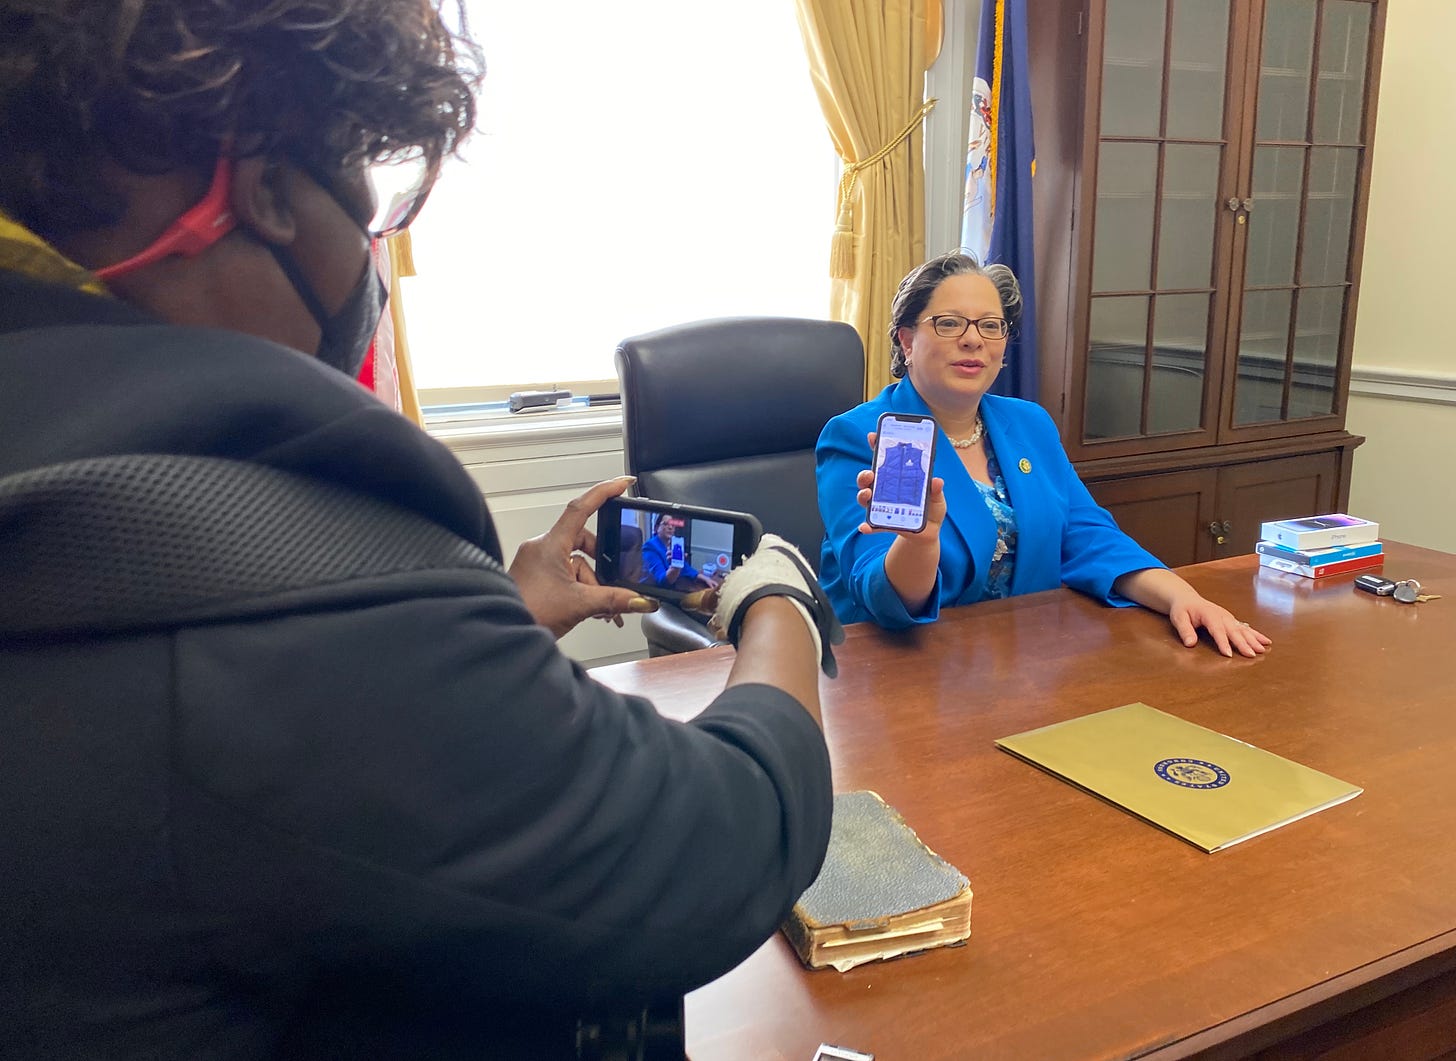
column 1063, row 536
column 655, row 563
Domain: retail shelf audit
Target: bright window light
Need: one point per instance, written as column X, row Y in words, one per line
column 637, row 165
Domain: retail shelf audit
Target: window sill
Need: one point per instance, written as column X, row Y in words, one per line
column 478, row 433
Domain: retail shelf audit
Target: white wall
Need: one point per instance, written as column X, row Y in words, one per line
column 1403, row 390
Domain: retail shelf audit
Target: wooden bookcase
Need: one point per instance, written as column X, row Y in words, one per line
column 1202, row 177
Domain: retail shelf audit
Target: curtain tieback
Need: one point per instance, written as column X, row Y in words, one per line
column 841, row 247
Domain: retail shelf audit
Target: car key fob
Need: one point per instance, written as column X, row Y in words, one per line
column 1381, row 587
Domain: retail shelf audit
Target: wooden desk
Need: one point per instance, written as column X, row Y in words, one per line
column 1095, row 935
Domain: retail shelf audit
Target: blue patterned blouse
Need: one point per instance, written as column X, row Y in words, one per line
column 1003, row 560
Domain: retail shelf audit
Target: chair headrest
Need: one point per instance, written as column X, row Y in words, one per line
column 732, row 387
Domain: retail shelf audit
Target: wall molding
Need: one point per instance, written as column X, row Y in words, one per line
column 1393, row 384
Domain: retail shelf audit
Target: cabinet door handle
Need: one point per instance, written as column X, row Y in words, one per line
column 1248, row 205
column 1215, row 529
column 1232, row 202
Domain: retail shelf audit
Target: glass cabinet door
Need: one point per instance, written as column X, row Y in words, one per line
column 1162, row 150
column 1307, row 156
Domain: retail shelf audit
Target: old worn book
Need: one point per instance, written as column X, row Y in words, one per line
column 1211, row 790
column 882, row 893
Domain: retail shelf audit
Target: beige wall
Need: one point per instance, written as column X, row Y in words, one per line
column 1406, row 283
column 1407, row 314
column 1402, row 472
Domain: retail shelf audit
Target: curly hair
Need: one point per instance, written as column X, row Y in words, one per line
column 157, row 84
column 918, row 287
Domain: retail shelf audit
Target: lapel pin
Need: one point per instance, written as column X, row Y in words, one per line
column 1025, row 466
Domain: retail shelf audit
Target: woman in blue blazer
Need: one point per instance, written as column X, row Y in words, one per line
column 1006, row 513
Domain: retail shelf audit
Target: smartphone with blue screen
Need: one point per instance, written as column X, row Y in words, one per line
column 904, row 456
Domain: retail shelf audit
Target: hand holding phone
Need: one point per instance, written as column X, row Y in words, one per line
column 904, row 457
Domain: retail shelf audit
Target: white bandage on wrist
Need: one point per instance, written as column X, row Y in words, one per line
column 778, row 569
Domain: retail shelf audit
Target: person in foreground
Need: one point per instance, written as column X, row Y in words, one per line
column 1006, row 514
column 293, row 766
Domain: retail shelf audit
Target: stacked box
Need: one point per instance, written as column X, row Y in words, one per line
column 1321, row 546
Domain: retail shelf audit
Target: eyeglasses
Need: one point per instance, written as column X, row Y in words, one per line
column 953, row 326
column 400, row 189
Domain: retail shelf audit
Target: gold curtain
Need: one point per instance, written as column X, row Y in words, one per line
column 868, row 60
column 402, row 263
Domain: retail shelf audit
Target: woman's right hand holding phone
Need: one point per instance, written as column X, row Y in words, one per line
column 934, row 505
column 913, row 560
column 555, row 575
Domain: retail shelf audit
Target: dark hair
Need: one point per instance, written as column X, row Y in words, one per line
column 157, row 84
column 918, row 287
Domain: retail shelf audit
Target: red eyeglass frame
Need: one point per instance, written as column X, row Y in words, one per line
column 192, row 233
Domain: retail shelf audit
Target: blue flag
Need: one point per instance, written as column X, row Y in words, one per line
column 1000, row 163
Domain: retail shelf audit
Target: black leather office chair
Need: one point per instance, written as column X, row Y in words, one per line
column 726, row 413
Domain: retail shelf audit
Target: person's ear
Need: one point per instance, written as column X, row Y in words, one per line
column 260, row 200
column 906, row 335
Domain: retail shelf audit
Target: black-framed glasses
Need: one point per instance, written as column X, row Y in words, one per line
column 400, row 189
column 953, row 326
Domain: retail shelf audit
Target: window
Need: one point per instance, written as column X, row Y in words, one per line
column 636, row 165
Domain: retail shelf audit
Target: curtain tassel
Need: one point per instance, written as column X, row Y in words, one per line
column 841, row 246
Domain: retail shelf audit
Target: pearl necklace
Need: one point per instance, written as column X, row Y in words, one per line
column 967, row 443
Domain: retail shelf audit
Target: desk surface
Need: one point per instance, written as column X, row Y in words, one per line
column 1095, row 935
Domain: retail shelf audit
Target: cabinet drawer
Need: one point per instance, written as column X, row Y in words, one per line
column 1167, row 514
column 1179, row 516
column 1260, row 491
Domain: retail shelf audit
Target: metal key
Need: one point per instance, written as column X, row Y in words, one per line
column 1409, row 592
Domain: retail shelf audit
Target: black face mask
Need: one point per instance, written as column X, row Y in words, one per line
column 347, row 335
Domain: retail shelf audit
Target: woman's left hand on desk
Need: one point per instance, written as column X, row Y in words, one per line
column 1161, row 590
column 1229, row 634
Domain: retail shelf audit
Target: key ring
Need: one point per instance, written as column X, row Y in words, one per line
column 1407, row 591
